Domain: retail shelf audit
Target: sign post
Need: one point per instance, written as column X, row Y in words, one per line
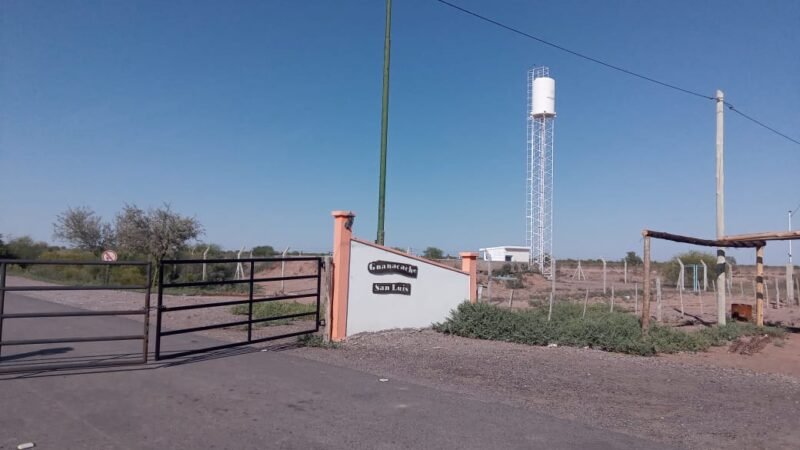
column 108, row 256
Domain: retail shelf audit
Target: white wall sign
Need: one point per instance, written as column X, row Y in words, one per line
column 389, row 290
column 388, row 268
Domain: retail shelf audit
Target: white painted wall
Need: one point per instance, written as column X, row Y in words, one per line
column 434, row 293
column 517, row 254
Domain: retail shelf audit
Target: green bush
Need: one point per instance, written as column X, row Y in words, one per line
column 266, row 310
column 672, row 269
column 600, row 329
column 25, row 248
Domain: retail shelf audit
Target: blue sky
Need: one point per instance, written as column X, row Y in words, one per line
column 261, row 117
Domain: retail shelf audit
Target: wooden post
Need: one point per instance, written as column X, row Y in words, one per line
column 760, row 286
column 636, row 298
column 777, row 294
column 326, row 295
column 646, row 296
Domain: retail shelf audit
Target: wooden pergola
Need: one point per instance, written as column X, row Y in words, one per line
column 753, row 240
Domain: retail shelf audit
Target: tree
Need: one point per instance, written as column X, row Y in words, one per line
column 26, row 248
column 4, row 252
column 264, row 251
column 158, row 233
column 633, row 259
column 84, row 229
column 433, row 253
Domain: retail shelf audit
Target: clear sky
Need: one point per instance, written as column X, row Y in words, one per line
column 261, row 117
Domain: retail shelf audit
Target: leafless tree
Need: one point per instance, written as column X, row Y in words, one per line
column 84, row 229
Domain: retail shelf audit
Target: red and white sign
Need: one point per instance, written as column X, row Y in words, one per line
column 109, row 256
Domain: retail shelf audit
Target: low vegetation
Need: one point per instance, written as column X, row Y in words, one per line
column 600, row 329
column 266, row 310
column 315, row 340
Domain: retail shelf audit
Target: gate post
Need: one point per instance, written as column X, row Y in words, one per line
column 469, row 264
column 342, row 234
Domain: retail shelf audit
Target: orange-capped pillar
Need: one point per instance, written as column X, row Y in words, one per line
column 342, row 234
column 469, row 264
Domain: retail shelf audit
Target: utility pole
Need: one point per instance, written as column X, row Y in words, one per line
column 791, row 213
column 387, row 44
column 721, row 304
column 790, row 266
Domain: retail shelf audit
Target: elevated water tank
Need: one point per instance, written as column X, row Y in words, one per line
column 543, row 92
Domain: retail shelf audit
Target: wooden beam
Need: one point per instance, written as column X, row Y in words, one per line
column 760, row 286
column 766, row 236
column 703, row 242
column 646, row 294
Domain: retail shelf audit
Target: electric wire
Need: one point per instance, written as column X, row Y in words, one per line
column 614, row 67
column 757, row 122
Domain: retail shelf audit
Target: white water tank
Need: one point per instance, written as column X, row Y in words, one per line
column 543, row 92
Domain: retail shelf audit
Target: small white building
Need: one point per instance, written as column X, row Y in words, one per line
column 509, row 253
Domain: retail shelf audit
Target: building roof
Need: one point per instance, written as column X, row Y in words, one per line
column 507, row 247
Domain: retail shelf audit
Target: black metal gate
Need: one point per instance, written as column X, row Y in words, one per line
column 89, row 361
column 251, row 300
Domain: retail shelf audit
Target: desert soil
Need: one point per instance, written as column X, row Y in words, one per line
column 688, row 400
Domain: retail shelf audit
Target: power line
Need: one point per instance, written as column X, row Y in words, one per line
column 612, row 66
column 573, row 52
column 732, row 108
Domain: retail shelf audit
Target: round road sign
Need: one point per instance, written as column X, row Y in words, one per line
column 109, row 256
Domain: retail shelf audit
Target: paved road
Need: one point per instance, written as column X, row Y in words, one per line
column 251, row 399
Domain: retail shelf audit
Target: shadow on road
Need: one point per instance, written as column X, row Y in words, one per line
column 99, row 360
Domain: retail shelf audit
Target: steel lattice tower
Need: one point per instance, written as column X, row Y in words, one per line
column 539, row 199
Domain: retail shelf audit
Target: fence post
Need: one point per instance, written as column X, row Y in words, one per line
column 646, row 294
column 250, row 303
column 325, row 296
column 2, row 299
column 146, row 310
column 159, row 306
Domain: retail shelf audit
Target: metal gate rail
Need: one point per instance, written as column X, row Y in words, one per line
column 144, row 312
column 250, row 301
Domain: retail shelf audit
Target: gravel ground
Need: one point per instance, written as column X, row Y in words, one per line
column 672, row 400
column 677, row 402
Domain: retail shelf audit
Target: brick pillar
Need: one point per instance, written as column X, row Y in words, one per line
column 342, row 233
column 469, row 264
